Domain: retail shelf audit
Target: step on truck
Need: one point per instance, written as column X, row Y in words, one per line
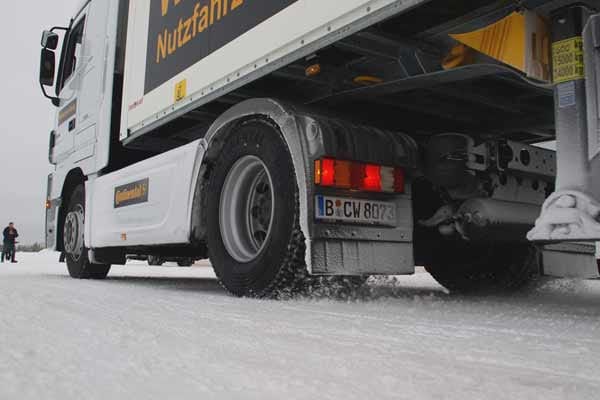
column 291, row 139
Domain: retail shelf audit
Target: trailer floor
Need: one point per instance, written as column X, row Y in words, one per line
column 169, row 333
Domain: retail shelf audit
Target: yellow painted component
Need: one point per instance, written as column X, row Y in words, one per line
column 502, row 40
column 567, row 60
column 317, row 172
column 313, row 70
column 521, row 40
column 461, row 54
column 180, row 90
column 165, row 6
column 367, row 80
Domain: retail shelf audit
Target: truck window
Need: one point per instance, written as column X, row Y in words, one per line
column 71, row 52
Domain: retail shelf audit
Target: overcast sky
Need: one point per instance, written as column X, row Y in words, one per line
column 27, row 117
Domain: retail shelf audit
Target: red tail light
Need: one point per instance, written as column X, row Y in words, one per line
column 372, row 179
column 325, row 172
column 399, row 180
column 359, row 176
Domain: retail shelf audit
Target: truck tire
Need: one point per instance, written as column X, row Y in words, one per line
column 254, row 241
column 155, row 261
column 480, row 268
column 187, row 262
column 76, row 254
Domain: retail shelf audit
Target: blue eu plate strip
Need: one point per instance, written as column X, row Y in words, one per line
column 321, row 202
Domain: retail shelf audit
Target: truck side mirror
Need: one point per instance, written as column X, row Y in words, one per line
column 49, row 40
column 47, row 72
column 47, row 67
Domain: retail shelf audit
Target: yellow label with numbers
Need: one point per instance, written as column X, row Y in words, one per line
column 567, row 58
column 180, row 90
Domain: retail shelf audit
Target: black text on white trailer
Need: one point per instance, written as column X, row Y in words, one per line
column 285, row 139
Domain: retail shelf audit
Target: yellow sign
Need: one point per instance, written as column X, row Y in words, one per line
column 567, row 57
column 188, row 28
column 180, row 90
column 165, row 6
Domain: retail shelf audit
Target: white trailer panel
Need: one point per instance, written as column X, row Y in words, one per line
column 186, row 54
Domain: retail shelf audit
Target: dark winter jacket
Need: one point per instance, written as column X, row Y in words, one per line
column 10, row 236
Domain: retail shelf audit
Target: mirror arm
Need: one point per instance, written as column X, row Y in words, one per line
column 59, row 28
column 55, row 100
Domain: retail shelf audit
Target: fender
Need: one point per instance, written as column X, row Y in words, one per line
column 308, row 137
column 285, row 118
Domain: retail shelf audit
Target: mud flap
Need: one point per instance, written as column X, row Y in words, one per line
column 570, row 260
column 340, row 246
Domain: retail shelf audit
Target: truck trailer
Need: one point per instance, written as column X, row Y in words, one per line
column 291, row 139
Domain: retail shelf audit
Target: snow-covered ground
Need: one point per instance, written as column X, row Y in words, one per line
column 170, row 333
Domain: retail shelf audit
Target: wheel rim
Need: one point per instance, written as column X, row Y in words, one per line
column 73, row 232
column 246, row 209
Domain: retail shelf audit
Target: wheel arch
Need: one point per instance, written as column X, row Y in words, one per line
column 308, row 137
column 280, row 116
column 74, row 178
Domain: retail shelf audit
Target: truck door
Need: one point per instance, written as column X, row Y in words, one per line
column 66, row 89
column 82, row 81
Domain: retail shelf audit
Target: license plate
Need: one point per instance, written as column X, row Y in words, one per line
column 356, row 211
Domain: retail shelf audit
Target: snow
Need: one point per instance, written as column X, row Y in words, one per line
column 172, row 333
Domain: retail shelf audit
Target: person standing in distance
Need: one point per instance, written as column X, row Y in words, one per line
column 10, row 239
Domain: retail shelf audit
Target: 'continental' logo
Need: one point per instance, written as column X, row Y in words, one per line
column 183, row 32
column 132, row 193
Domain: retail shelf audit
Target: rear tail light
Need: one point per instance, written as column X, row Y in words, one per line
column 399, row 180
column 343, row 174
column 325, row 172
column 371, row 179
column 359, row 176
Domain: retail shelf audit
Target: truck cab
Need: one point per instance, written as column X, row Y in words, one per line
column 83, row 89
column 82, row 75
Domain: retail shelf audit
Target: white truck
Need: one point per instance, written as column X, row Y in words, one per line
column 285, row 139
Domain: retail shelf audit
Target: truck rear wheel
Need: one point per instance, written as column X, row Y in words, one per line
column 186, row 262
column 155, row 261
column 255, row 243
column 469, row 268
column 76, row 253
